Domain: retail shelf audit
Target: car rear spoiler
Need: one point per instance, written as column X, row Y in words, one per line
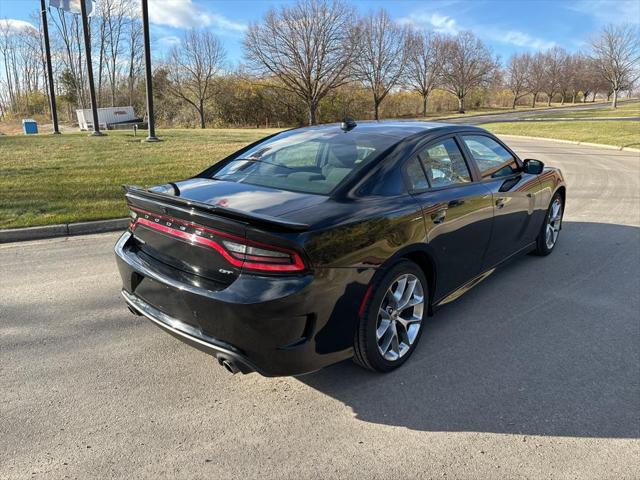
column 134, row 191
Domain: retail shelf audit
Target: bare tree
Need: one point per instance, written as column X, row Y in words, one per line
column 193, row 66
column 383, row 51
column 567, row 81
column 517, row 75
column 468, row 65
column 616, row 55
column 554, row 59
column 7, row 49
column 536, row 76
column 70, row 34
column 425, row 64
column 135, row 46
column 308, row 46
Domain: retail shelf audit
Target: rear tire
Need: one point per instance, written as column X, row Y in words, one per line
column 392, row 319
column 550, row 230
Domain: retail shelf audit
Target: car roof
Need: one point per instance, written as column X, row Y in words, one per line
column 399, row 129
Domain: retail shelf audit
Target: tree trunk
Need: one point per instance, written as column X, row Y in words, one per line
column 535, row 97
column 549, row 100
column 460, row 104
column 376, row 109
column 515, row 99
column 201, row 112
column 573, row 99
column 424, row 105
column 313, row 107
column 614, row 103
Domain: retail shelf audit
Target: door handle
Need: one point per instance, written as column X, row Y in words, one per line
column 456, row 203
column 500, row 202
column 439, row 216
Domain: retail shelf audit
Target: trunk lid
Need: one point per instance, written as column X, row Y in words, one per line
column 242, row 197
column 215, row 230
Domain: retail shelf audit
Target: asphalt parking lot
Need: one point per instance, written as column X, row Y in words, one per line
column 533, row 374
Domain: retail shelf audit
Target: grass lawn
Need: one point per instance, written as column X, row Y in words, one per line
column 619, row 133
column 624, row 110
column 485, row 111
column 46, row 179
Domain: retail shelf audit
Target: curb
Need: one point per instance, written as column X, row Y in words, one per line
column 62, row 230
column 572, row 142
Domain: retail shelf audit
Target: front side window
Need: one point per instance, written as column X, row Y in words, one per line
column 444, row 164
column 493, row 159
column 309, row 161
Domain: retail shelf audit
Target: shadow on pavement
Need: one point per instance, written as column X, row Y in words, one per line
column 546, row 346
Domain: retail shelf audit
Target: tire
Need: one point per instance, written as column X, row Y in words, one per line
column 406, row 324
column 553, row 221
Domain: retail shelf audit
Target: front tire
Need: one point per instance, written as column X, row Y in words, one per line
column 550, row 231
column 391, row 324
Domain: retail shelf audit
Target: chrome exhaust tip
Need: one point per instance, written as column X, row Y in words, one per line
column 228, row 365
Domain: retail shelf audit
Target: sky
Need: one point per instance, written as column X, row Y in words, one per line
column 506, row 26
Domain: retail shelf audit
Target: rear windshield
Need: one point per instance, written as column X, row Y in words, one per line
column 309, row 161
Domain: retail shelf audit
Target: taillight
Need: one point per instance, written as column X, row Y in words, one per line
column 238, row 251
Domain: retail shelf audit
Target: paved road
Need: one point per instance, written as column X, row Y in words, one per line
column 534, row 373
column 517, row 115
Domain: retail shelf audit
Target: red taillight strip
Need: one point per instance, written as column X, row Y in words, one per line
column 190, row 224
column 215, row 232
column 298, row 264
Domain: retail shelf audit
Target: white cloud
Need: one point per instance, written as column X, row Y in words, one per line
column 169, row 41
column 15, row 26
column 187, row 14
column 435, row 21
column 607, row 11
column 443, row 24
column 521, row 39
column 448, row 25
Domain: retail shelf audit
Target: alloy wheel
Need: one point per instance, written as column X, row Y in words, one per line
column 553, row 223
column 400, row 317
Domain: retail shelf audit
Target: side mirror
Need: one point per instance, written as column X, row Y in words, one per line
column 534, row 167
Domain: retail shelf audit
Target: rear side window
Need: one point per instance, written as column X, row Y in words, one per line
column 444, row 164
column 493, row 159
column 415, row 175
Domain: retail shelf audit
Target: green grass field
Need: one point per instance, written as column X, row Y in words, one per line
column 619, row 133
column 487, row 111
column 623, row 110
column 46, row 179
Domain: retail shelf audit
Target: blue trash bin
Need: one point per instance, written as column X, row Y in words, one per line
column 29, row 126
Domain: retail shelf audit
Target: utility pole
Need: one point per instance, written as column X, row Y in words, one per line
column 87, row 47
column 148, row 76
column 47, row 52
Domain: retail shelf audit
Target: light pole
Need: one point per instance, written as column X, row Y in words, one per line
column 151, row 137
column 47, row 52
column 87, row 47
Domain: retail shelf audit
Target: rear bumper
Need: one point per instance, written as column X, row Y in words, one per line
column 190, row 335
column 271, row 325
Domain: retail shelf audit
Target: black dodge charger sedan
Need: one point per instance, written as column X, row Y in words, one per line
column 323, row 243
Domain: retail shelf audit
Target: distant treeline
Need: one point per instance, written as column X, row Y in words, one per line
column 312, row 61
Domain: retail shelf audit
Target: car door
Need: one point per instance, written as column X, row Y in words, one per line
column 514, row 195
column 458, row 212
